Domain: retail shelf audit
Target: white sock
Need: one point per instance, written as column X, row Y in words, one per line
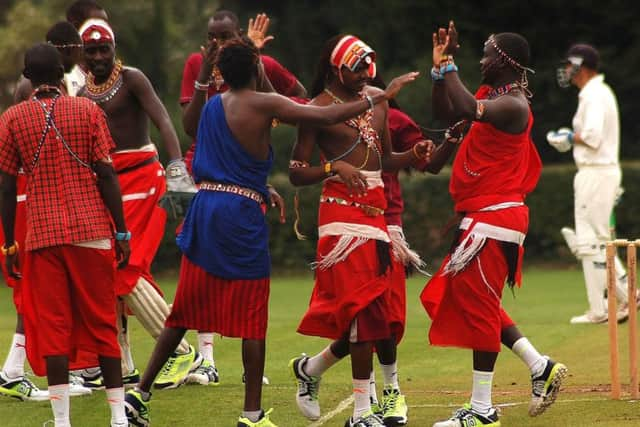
column 529, row 355
column 373, row 395
column 115, row 397
column 481, row 392
column 390, row 373
column 319, row 363
column 14, row 365
column 361, row 403
column 205, row 346
column 59, row 398
column 252, row 416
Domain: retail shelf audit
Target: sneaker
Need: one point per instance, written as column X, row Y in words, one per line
column 308, row 387
column 76, row 386
column 588, row 317
column 263, row 421
column 22, row 388
column 467, row 417
column 177, row 369
column 136, row 408
column 545, row 388
column 367, row 420
column 394, row 407
column 205, row 374
column 87, row 374
column 376, row 407
column 129, row 380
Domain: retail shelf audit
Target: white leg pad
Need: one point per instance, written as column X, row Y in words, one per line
column 595, row 279
column 151, row 310
column 123, row 338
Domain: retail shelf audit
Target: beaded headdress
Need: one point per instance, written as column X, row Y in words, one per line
column 350, row 51
column 97, row 31
column 524, row 82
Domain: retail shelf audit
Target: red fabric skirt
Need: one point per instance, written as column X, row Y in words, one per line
column 19, row 233
column 398, row 299
column 351, row 292
column 70, row 306
column 142, row 187
column 466, row 308
column 230, row 307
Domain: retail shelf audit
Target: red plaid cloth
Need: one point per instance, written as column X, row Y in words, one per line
column 64, row 205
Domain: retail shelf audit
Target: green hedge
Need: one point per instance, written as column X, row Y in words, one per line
column 428, row 208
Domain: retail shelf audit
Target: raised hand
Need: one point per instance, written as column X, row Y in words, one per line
column 257, row 30
column 438, row 45
column 398, row 83
column 209, row 54
column 451, row 41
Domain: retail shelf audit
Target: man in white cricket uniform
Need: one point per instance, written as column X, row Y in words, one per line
column 595, row 140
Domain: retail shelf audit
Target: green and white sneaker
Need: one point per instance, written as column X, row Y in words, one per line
column 467, row 417
column 394, row 407
column 263, row 421
column 22, row 388
column 367, row 420
column 130, row 380
column 77, row 386
column 177, row 369
column 376, row 407
column 136, row 408
column 545, row 388
column 308, row 388
column 205, row 374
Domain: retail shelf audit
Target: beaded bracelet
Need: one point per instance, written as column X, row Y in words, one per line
column 122, row 236
column 11, row 250
column 447, row 68
column 435, row 74
column 204, row 87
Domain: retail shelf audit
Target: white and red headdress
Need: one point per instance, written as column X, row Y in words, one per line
column 350, row 51
column 96, row 31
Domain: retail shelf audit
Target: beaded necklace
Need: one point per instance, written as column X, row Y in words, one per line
column 216, row 78
column 503, row 90
column 362, row 124
column 107, row 90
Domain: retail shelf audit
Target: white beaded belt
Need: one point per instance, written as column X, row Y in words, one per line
column 367, row 209
column 232, row 188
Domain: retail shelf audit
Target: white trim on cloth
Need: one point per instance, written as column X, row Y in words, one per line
column 138, row 196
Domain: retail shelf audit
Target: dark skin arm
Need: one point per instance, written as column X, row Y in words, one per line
column 508, row 113
column 109, row 188
column 141, row 87
column 8, row 204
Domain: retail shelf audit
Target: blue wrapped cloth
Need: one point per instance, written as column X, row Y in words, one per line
column 224, row 233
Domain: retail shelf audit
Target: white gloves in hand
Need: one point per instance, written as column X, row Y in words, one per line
column 561, row 140
column 178, row 179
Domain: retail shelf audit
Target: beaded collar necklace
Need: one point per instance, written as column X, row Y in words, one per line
column 216, row 78
column 503, row 90
column 107, row 90
column 362, row 124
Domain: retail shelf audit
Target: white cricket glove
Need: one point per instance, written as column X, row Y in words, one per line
column 178, row 179
column 561, row 140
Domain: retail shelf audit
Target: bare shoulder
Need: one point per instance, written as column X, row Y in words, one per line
column 133, row 75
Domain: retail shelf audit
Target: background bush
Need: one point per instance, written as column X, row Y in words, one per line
column 428, row 208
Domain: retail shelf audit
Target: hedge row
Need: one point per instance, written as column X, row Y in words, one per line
column 428, row 209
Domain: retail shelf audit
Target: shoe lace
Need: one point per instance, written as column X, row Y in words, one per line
column 168, row 366
column 537, row 387
column 390, row 400
column 32, row 387
column 311, row 387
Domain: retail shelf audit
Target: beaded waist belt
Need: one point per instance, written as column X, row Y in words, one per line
column 367, row 209
column 232, row 188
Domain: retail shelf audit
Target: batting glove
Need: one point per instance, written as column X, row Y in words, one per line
column 178, row 179
column 561, row 140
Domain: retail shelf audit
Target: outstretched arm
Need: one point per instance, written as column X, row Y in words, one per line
column 142, row 89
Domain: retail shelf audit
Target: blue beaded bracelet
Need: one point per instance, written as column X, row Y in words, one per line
column 435, row 74
column 448, row 68
column 123, row 236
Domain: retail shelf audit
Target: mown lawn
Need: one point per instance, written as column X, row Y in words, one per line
column 434, row 380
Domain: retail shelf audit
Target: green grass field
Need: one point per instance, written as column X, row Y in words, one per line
column 435, row 380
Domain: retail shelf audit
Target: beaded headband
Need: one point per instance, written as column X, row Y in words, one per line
column 97, row 31
column 350, row 51
column 66, row 45
column 506, row 57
